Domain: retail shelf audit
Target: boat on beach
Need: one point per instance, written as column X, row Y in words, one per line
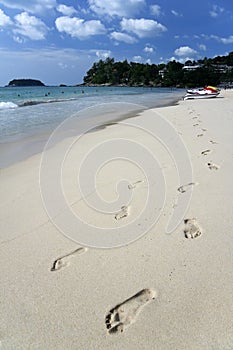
column 206, row 92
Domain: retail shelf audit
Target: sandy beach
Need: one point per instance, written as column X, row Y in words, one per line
column 153, row 289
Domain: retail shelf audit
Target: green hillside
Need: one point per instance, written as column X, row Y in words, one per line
column 207, row 71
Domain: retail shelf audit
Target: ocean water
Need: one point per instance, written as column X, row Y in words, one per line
column 29, row 114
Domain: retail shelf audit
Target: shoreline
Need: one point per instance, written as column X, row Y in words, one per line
column 180, row 284
column 34, row 143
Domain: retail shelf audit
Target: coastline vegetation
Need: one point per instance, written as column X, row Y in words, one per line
column 207, row 71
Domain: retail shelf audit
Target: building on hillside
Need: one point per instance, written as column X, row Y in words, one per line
column 191, row 68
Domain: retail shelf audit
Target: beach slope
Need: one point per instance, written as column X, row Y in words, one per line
column 165, row 290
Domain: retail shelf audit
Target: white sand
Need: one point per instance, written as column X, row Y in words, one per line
column 191, row 279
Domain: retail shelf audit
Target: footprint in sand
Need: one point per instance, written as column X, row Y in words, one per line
column 192, row 228
column 184, row 188
column 195, row 124
column 134, row 184
column 123, row 213
column 65, row 259
column 213, row 142
column 123, row 315
column 191, row 111
column 213, row 166
column 207, row 151
column 200, row 135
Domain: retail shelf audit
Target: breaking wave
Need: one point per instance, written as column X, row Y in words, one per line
column 37, row 102
column 8, row 105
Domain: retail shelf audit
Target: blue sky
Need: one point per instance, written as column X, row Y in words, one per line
column 57, row 41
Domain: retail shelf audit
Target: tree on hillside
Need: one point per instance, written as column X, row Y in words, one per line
column 209, row 72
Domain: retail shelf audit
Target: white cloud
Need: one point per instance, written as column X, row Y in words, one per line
column 137, row 59
column 33, row 6
column 184, row 51
column 4, row 19
column 116, row 7
column 103, row 54
column 78, row 28
column 216, row 11
column 202, row 47
column 155, row 10
column 182, row 59
column 30, row 26
column 148, row 49
column 66, row 10
column 175, row 13
column 228, row 40
column 142, row 27
column 18, row 39
column 123, row 37
column 62, row 65
column 171, row 59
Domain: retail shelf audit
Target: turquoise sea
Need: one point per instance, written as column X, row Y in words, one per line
column 29, row 114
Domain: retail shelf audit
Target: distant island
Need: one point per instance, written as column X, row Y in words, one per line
column 25, row 82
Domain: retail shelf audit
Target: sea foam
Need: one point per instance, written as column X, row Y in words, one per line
column 7, row 105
